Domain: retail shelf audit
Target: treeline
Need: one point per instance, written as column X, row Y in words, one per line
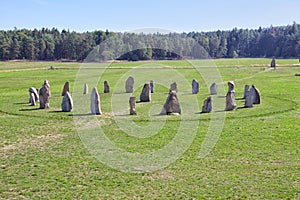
column 48, row 45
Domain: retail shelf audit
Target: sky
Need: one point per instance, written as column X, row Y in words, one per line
column 130, row 15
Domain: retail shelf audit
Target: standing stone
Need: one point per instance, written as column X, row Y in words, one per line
column 129, row 85
column 106, row 87
column 152, row 86
column 33, row 91
column 255, row 94
column 32, row 99
column 213, row 89
column 230, row 98
column 86, row 89
column 207, row 105
column 67, row 103
column 66, row 88
column 195, row 86
column 172, row 105
column 173, row 87
column 249, row 100
column 132, row 104
column 44, row 95
column 95, row 102
column 145, row 94
column 273, row 63
column 246, row 91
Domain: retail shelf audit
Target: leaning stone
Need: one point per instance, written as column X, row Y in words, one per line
column 67, row 103
column 34, row 91
column 66, row 88
column 44, row 95
column 246, row 91
column 132, row 104
column 195, row 86
column 32, row 99
column 213, row 89
column 255, row 95
column 172, row 105
column 145, row 94
column 173, row 87
column 129, row 85
column 95, row 102
column 152, row 86
column 86, row 89
column 207, row 105
column 106, row 87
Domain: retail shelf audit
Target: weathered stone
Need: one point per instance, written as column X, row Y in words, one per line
column 172, row 105
column 86, row 89
column 106, row 87
column 255, row 95
column 129, row 85
column 145, row 94
column 95, row 102
column 249, row 100
column 213, row 89
column 67, row 103
column 44, row 95
column 152, row 86
column 173, row 87
column 207, row 105
column 246, row 91
column 195, row 86
column 32, row 99
column 230, row 86
column 230, row 97
column 33, row 91
column 66, row 88
column 132, row 104
column 273, row 63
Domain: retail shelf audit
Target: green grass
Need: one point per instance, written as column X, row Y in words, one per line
column 256, row 157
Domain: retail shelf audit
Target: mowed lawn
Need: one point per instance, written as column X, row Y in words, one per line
column 257, row 154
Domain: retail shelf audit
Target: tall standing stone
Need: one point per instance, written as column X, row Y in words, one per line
column 230, row 97
column 145, row 94
column 246, row 91
column 129, row 85
column 172, row 105
column 44, row 95
column 195, row 86
column 173, row 87
column 67, row 103
column 132, row 104
column 249, row 100
column 33, row 95
column 255, row 95
column 95, row 102
column 85, row 89
column 152, row 86
column 106, row 87
column 213, row 89
column 66, row 88
column 207, row 105
column 273, row 63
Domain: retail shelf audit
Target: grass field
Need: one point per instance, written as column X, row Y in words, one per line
column 257, row 154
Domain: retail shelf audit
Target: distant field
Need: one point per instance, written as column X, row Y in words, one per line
column 256, row 156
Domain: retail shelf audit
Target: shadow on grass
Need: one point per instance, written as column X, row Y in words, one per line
column 30, row 109
column 80, row 115
column 21, row 103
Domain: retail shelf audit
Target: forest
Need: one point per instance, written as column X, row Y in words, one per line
column 52, row 44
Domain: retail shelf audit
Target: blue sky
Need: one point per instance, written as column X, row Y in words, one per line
column 128, row 15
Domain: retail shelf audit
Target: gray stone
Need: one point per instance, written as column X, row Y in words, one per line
column 213, row 89
column 33, row 91
column 255, row 93
column 195, row 86
column 249, row 100
column 66, row 88
column 273, row 63
column 106, row 87
column 95, row 102
column 86, row 89
column 152, row 86
column 230, row 86
column 44, row 95
column 67, row 103
column 132, row 104
column 172, row 105
column 246, row 91
column 32, row 99
column 145, row 94
column 230, row 97
column 173, row 87
column 207, row 105
column 129, row 84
